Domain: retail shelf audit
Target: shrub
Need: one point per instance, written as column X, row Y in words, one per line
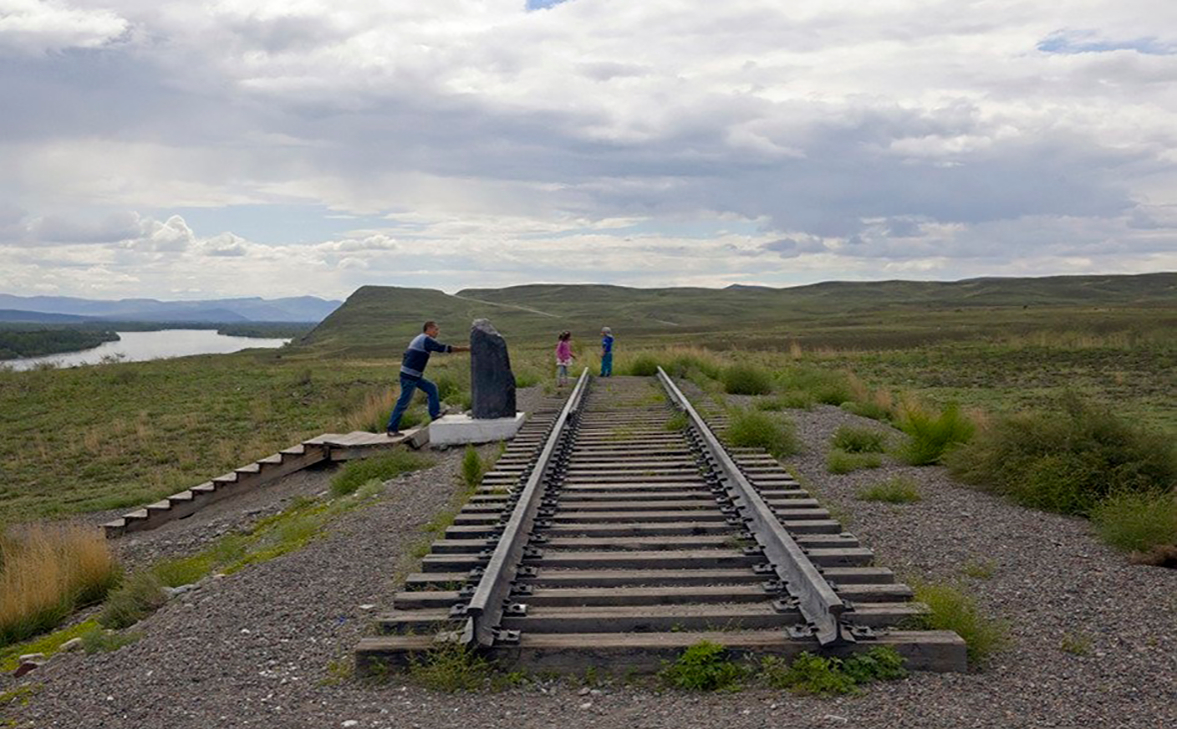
column 703, row 667
column 791, row 400
column 858, row 440
column 831, row 388
column 746, row 379
column 1066, row 462
column 46, row 573
column 839, row 461
column 754, row 429
column 809, row 674
column 896, row 490
column 472, row 467
column 681, row 362
column 872, row 410
column 1136, row 521
column 356, row 473
column 139, row 596
column 950, row 608
column 930, row 437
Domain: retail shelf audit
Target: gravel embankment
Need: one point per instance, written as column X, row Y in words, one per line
column 253, row 649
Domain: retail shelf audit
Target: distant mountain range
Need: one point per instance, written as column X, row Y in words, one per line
column 59, row 309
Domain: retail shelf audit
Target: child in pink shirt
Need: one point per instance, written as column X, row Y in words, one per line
column 564, row 358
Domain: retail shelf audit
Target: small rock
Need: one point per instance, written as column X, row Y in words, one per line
column 587, row 705
column 71, row 644
column 583, row 692
column 836, row 719
column 368, row 606
column 32, row 658
column 350, row 722
column 25, row 667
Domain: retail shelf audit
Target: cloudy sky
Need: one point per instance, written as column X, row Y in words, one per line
column 284, row 147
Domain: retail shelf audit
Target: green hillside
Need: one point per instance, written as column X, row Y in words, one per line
column 376, row 320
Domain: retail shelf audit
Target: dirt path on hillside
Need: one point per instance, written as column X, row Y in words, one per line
column 253, row 649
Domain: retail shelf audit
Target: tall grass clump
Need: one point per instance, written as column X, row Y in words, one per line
column 755, row 429
column 356, row 473
column 792, row 400
column 372, row 414
column 747, row 379
column 1141, row 522
column 839, row 461
column 47, row 572
column 950, row 608
column 895, row 490
column 704, row 666
column 472, row 467
column 1066, row 462
column 643, row 365
column 825, row 386
column 682, row 361
column 858, row 440
column 932, row 436
column 450, row 667
column 137, row 597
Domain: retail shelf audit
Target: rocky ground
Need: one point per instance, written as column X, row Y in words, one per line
column 262, row 647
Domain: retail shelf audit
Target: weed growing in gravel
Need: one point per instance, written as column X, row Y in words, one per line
column 931, row 436
column 47, row 644
column 811, row 674
column 472, row 467
column 13, row 698
column 839, row 461
column 979, row 569
column 704, row 666
column 825, row 386
column 747, row 379
column 106, row 641
column 1138, row 522
column 869, row 409
column 357, row 473
column 138, row 596
column 47, row 572
column 1078, row 644
column 185, row 570
column 950, row 608
column 678, row 421
column 450, row 667
column 754, row 429
column 858, row 440
column 339, row 670
column 896, row 490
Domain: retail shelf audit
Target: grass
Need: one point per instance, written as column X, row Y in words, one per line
column 384, row 467
column 472, row 467
column 704, row 666
column 896, row 490
column 823, row 676
column 47, row 572
column 790, row 400
column 48, row 644
column 840, row 462
column 951, row 608
column 858, row 440
column 450, row 667
column 1138, row 522
column 137, row 597
column 1068, row 461
column 678, row 421
column 931, row 436
column 979, row 569
column 747, row 379
column 755, row 429
column 1078, row 644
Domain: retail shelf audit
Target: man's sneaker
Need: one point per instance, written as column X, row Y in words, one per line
column 393, row 433
column 443, row 412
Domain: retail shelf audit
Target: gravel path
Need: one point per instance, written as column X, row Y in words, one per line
column 254, row 649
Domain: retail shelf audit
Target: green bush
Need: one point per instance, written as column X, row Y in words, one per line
column 755, row 429
column 139, row 596
column 703, row 667
column 950, row 608
column 448, row 387
column 356, row 473
column 526, row 379
column 858, row 440
column 896, row 490
column 450, row 667
column 930, row 437
column 811, row 674
column 1136, row 521
column 1066, row 462
column 746, row 379
column 791, row 400
column 830, row 388
column 839, row 461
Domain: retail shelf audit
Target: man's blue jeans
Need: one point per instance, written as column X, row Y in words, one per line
column 408, row 386
column 607, row 364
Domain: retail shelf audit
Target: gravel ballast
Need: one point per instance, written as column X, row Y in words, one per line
column 255, row 648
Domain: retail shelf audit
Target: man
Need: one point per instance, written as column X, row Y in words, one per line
column 607, row 352
column 413, row 375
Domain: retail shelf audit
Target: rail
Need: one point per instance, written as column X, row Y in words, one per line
column 817, row 601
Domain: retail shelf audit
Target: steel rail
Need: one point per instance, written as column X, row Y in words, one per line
column 817, row 601
column 485, row 610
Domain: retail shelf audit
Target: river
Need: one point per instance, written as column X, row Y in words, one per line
column 142, row 346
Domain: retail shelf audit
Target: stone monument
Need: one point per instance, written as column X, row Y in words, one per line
column 492, row 384
column 493, row 415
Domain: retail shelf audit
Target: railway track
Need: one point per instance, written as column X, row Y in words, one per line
column 619, row 531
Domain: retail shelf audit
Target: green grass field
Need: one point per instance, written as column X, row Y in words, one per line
column 115, row 435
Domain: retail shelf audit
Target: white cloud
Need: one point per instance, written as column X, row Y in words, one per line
column 37, row 26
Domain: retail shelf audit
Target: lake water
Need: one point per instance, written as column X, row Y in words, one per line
column 141, row 346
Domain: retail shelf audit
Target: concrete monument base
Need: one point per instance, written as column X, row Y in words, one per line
column 461, row 429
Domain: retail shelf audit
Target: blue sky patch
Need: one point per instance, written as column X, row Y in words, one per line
column 543, row 4
column 1072, row 42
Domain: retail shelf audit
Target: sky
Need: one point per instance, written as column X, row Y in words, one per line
column 187, row 150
